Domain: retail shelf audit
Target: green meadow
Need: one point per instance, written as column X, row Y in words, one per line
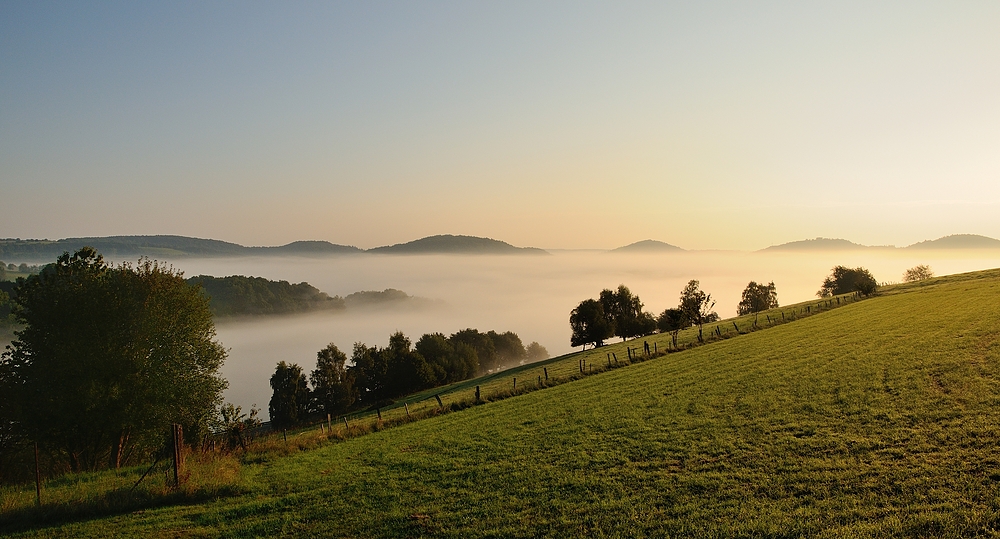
column 872, row 418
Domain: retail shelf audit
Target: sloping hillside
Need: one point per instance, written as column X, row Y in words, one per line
column 875, row 419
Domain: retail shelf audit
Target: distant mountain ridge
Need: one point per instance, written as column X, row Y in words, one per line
column 954, row 241
column 160, row 246
column 959, row 241
column 647, row 246
column 817, row 244
column 183, row 246
column 449, row 244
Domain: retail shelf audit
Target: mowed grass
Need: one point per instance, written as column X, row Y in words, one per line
column 876, row 419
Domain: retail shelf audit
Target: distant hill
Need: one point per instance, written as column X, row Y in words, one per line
column 959, row 241
column 818, row 244
column 448, row 244
column 647, row 246
column 159, row 246
column 237, row 295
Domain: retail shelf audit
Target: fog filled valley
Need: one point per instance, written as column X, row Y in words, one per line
column 529, row 295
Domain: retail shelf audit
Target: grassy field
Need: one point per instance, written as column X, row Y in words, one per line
column 875, row 419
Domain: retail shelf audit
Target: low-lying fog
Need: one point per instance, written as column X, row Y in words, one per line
column 530, row 295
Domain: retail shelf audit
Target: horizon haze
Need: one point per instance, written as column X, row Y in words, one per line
column 561, row 125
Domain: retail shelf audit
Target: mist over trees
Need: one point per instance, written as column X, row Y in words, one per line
column 108, row 358
column 374, row 376
column 240, row 295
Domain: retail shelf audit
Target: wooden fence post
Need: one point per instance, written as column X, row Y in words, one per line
column 378, row 411
column 515, row 383
column 546, row 369
column 346, row 426
column 329, row 424
column 38, row 480
column 178, row 440
column 407, row 408
column 438, row 397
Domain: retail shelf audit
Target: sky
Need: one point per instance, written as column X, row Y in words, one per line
column 708, row 125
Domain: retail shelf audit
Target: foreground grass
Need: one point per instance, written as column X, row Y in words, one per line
column 877, row 419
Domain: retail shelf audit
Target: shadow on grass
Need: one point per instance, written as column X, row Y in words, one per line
column 112, row 503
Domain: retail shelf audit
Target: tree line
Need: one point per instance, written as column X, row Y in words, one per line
column 618, row 313
column 374, row 376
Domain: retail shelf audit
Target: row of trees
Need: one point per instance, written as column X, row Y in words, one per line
column 373, row 376
column 619, row 313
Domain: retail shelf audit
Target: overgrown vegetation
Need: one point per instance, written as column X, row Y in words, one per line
column 107, row 358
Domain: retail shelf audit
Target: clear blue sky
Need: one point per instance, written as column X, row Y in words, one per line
column 730, row 125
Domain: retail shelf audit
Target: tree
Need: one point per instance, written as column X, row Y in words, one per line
column 844, row 280
column 757, row 298
column 108, row 358
column 333, row 387
column 589, row 324
column 536, row 352
column 486, row 351
column 672, row 321
column 697, row 306
column 510, row 350
column 918, row 273
column 623, row 309
column 450, row 361
column 289, row 404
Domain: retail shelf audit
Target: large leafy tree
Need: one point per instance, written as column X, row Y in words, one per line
column 757, row 298
column 333, row 386
column 449, row 361
column 510, row 349
column 589, row 324
column 486, row 351
column 290, row 396
column 844, row 280
column 697, row 306
column 108, row 358
column 623, row 310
